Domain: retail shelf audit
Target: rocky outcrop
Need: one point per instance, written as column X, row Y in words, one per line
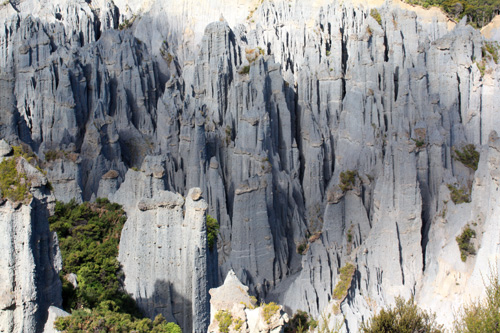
column 264, row 107
column 163, row 251
column 233, row 310
column 30, row 261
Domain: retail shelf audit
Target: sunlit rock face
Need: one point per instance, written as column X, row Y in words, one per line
column 265, row 107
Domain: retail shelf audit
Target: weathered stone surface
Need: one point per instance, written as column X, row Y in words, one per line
column 232, row 297
column 263, row 106
column 163, row 250
column 30, row 261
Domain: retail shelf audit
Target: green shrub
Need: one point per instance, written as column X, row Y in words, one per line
column 376, row 15
column 478, row 317
column 269, row 310
column 238, row 323
column 106, row 318
column 464, row 243
column 419, row 143
column 225, row 320
column 479, row 12
column 490, row 51
column 212, row 232
column 458, row 195
column 89, row 236
column 404, row 317
column 302, row 248
column 14, row 185
column 347, row 180
column 301, row 322
column 468, row 156
column 346, row 274
column 245, row 70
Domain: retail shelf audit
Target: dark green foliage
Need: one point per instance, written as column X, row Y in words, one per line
column 107, row 318
column 376, row 15
column 458, row 195
column 464, row 243
column 479, row 317
column 89, row 235
column 301, row 322
column 347, row 180
column 479, row 12
column 245, row 70
column 212, row 232
column 419, row 143
column 346, row 274
column 468, row 156
column 405, row 317
column 302, row 248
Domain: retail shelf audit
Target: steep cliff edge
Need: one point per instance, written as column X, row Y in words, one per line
column 30, row 261
column 321, row 133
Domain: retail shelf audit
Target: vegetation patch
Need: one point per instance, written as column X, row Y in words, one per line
column 89, row 236
column 225, row 320
column 464, row 242
column 346, row 274
column 347, row 180
column 302, row 248
column 468, row 156
column 269, row 310
column 489, row 51
column 376, row 15
column 481, row 316
column 419, row 143
column 107, row 318
column 404, row 317
column 245, row 70
column 212, row 232
column 13, row 184
column 238, row 324
column 479, row 12
column 301, row 322
column 458, row 194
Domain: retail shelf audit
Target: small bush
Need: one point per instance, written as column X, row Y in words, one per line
column 347, row 180
column 269, row 310
column 225, row 320
column 302, row 248
column 458, row 195
column 301, row 322
column 212, row 232
column 478, row 317
column 376, row 15
column 346, row 274
column 419, row 143
column 245, row 70
column 468, row 156
column 404, row 317
column 238, row 323
column 464, row 243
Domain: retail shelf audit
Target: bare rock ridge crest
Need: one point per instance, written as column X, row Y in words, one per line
column 265, row 107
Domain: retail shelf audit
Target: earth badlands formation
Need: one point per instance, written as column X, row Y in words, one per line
column 253, row 110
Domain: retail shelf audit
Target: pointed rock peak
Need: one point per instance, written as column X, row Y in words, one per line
column 463, row 22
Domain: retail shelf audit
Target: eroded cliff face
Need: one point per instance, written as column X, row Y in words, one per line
column 30, row 261
column 263, row 109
